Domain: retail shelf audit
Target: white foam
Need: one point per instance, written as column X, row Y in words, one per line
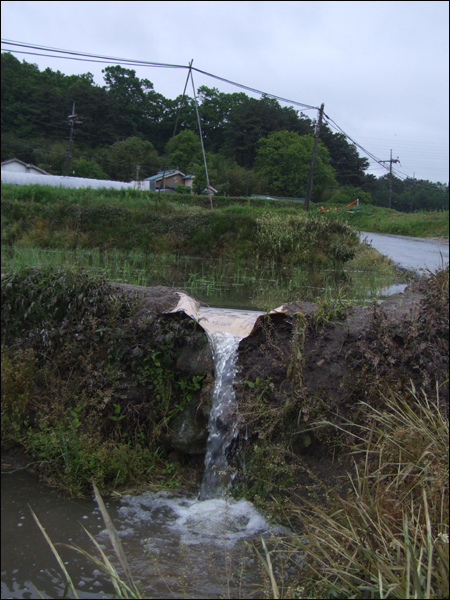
column 194, row 521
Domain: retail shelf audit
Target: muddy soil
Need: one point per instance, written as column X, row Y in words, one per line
column 325, row 365
column 341, row 363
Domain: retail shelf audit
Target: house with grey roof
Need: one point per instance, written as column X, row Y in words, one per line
column 18, row 166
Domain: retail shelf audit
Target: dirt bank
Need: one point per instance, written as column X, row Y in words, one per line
column 316, row 364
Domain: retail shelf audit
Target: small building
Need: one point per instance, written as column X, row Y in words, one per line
column 188, row 181
column 172, row 178
column 18, row 166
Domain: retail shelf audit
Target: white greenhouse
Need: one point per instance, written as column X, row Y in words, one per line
column 60, row 181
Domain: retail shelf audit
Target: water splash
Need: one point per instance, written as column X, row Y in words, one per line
column 222, row 425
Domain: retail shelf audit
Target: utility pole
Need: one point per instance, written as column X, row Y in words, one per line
column 73, row 118
column 313, row 159
column 390, row 161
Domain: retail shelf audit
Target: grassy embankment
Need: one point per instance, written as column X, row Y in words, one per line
column 137, row 238
column 383, row 535
column 385, row 220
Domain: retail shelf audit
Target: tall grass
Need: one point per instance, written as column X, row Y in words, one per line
column 389, row 537
column 124, row 589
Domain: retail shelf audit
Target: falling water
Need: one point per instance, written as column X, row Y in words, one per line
column 225, row 329
column 222, row 426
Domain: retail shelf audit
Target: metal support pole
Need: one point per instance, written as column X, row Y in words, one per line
column 201, row 140
column 313, row 159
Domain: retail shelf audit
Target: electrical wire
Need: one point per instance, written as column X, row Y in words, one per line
column 90, row 57
column 74, row 55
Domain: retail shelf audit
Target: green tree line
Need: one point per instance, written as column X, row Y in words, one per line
column 253, row 146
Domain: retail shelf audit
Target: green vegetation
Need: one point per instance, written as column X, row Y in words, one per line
column 283, row 158
column 384, row 220
column 389, row 536
column 126, row 123
column 71, row 353
column 146, row 224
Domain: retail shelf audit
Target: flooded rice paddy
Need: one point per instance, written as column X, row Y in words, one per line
column 249, row 284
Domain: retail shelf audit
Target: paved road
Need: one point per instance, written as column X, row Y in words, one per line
column 414, row 254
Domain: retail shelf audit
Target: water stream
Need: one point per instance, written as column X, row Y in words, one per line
column 225, row 329
column 222, row 424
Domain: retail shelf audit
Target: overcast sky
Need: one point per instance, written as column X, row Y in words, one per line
column 380, row 68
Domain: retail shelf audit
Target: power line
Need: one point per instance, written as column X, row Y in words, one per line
column 89, row 57
column 74, row 55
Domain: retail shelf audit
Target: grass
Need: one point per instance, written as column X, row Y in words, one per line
column 388, row 538
column 385, row 220
column 124, row 589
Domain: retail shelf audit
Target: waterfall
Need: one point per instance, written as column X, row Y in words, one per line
column 222, row 425
column 225, row 329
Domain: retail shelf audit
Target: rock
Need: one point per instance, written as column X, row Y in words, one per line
column 189, row 432
column 196, row 362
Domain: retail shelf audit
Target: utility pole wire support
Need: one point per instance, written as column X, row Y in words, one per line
column 313, row 159
column 162, row 184
column 201, row 140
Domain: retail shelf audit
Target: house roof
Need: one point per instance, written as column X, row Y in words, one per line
column 166, row 174
column 24, row 164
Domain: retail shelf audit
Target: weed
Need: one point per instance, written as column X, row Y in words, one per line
column 389, row 537
column 71, row 351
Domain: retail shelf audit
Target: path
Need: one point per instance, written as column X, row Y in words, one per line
column 414, row 254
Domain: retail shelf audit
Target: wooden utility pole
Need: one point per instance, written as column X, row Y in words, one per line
column 390, row 161
column 412, row 187
column 73, row 118
column 313, row 159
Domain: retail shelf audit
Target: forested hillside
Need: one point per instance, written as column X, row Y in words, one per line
column 253, row 145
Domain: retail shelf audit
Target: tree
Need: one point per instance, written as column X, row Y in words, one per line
column 214, row 110
column 89, row 169
column 251, row 120
column 137, row 107
column 125, row 155
column 347, row 194
column 284, row 157
column 344, row 157
column 186, row 151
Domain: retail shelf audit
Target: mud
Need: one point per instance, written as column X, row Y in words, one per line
column 325, row 364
